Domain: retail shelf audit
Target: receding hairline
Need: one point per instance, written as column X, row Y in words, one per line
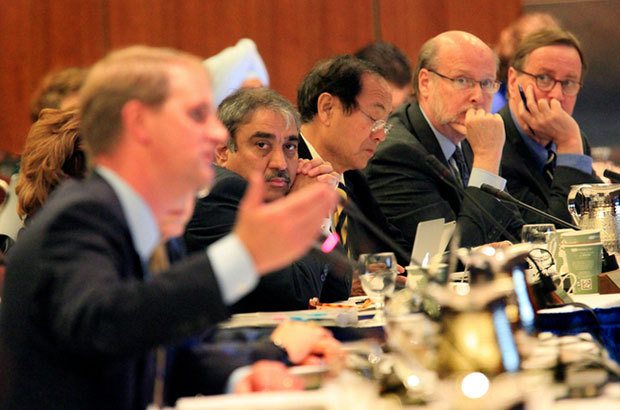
column 455, row 40
column 290, row 121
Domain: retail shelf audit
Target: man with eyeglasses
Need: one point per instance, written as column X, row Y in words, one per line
column 454, row 82
column 344, row 103
column 545, row 152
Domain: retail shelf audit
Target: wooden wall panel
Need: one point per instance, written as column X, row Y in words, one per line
column 409, row 23
column 37, row 36
column 292, row 35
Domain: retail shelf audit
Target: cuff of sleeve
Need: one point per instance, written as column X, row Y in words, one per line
column 480, row 176
column 233, row 267
column 581, row 162
column 235, row 377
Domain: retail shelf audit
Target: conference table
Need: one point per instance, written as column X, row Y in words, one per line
column 569, row 329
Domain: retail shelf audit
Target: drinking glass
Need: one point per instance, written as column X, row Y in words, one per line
column 377, row 272
column 541, row 236
column 538, row 233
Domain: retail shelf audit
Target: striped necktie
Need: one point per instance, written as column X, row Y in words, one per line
column 340, row 218
column 549, row 166
column 459, row 167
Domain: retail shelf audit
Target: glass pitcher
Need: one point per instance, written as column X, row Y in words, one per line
column 597, row 206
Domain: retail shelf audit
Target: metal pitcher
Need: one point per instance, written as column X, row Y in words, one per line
column 597, row 206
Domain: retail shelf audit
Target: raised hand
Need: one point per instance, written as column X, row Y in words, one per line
column 314, row 170
column 550, row 122
column 486, row 135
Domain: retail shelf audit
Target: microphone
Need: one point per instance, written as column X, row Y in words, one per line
column 613, row 176
column 445, row 175
column 503, row 195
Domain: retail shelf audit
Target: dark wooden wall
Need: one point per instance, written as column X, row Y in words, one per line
column 37, row 36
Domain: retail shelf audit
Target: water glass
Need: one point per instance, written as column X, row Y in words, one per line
column 377, row 273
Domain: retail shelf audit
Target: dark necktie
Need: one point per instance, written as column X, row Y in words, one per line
column 462, row 170
column 549, row 166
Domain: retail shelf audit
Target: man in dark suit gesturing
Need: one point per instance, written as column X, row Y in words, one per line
column 80, row 311
column 454, row 82
column 264, row 134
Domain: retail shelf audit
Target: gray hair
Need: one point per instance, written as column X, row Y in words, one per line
column 237, row 109
column 427, row 58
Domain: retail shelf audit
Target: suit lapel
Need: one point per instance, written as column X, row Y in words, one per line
column 302, row 149
column 420, row 128
column 513, row 137
column 106, row 193
column 424, row 132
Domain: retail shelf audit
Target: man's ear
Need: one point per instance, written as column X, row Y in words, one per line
column 222, row 153
column 135, row 119
column 512, row 82
column 325, row 105
column 424, row 82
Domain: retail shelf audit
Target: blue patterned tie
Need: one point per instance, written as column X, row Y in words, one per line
column 461, row 166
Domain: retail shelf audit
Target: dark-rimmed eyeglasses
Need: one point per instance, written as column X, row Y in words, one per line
column 545, row 82
column 487, row 86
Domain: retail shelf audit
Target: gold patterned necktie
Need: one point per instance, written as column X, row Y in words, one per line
column 340, row 218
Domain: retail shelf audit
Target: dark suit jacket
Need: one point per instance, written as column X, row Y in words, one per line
column 360, row 238
column 409, row 192
column 78, row 315
column 287, row 289
column 525, row 180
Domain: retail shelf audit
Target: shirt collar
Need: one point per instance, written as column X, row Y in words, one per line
column 447, row 146
column 142, row 225
column 539, row 152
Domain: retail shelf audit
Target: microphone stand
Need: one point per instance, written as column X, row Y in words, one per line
column 503, row 195
column 613, row 176
column 444, row 174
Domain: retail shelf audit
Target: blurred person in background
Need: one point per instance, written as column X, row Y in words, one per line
column 58, row 89
column 395, row 67
column 53, row 153
column 236, row 67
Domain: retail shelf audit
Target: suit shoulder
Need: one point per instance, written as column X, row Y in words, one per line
column 227, row 182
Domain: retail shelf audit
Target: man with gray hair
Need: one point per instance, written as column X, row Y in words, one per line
column 454, row 82
column 264, row 129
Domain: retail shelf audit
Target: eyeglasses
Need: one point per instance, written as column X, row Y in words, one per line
column 464, row 83
column 377, row 124
column 546, row 83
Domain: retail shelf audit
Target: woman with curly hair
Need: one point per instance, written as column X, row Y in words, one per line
column 52, row 154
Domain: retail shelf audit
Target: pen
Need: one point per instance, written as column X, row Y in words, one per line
column 525, row 104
